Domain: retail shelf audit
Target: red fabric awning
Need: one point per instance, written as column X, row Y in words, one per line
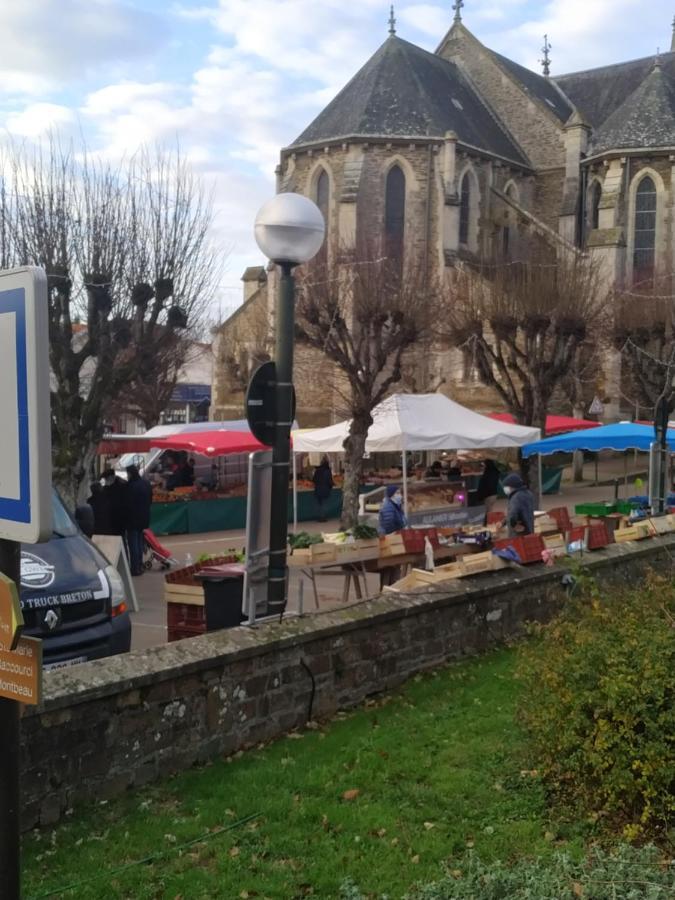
column 116, row 446
column 210, row 443
column 554, row 424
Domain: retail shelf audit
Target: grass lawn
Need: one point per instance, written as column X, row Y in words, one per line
column 385, row 794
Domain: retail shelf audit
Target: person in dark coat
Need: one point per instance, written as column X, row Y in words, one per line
column 488, row 485
column 323, row 485
column 139, row 500
column 520, row 509
column 100, row 505
column 114, row 490
column 392, row 518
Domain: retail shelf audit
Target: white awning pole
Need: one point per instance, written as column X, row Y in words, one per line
column 404, row 458
column 295, row 492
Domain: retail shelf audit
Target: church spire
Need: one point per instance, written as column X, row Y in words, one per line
column 457, row 6
column 392, row 20
column 672, row 43
column 546, row 59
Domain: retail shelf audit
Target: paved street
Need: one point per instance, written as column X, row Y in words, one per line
column 149, row 628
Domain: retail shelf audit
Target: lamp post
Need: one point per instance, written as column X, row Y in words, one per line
column 289, row 230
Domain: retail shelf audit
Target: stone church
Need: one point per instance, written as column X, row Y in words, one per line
column 450, row 154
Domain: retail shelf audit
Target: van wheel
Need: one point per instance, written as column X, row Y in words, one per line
column 147, row 564
column 166, row 565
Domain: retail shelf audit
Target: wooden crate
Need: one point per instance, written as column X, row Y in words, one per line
column 662, row 524
column 300, row 557
column 370, row 544
column 441, row 573
column 323, row 553
column 411, row 582
column 482, row 562
column 392, row 545
column 556, row 544
column 184, row 593
column 545, row 525
column 632, row 533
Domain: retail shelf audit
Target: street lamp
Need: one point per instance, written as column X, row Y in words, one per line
column 289, row 230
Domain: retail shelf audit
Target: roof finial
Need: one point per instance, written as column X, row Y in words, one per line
column 546, row 61
column 657, row 58
column 457, row 6
column 672, row 44
column 392, row 20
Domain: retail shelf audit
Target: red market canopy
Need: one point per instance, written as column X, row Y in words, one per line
column 209, row 443
column 554, row 424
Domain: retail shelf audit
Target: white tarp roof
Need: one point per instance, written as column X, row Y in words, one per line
column 420, row 422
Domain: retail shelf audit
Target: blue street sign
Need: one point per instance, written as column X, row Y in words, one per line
column 25, row 447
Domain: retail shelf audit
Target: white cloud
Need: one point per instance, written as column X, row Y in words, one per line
column 39, row 118
column 57, row 41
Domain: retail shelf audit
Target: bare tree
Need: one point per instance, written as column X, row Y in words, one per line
column 127, row 255
column 644, row 334
column 528, row 324
column 365, row 313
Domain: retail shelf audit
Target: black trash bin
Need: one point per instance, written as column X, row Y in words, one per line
column 223, row 595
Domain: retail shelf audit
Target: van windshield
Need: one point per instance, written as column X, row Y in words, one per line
column 63, row 525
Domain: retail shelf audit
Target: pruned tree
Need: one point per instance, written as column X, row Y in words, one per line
column 365, row 312
column 127, row 255
column 644, row 335
column 528, row 324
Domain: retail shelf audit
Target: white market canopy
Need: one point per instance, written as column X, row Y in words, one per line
column 405, row 422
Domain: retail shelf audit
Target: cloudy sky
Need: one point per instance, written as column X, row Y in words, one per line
column 235, row 80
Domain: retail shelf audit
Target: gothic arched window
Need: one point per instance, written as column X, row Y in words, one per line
column 465, row 210
column 323, row 202
column 394, row 212
column 644, row 247
column 596, row 197
column 323, row 194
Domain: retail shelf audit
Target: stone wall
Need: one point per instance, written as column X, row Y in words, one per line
column 111, row 725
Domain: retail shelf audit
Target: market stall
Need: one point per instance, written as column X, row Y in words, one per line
column 419, row 422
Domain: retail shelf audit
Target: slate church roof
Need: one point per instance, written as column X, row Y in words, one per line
column 598, row 93
column 645, row 119
column 543, row 89
column 405, row 91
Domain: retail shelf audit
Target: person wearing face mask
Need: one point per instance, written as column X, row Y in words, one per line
column 392, row 518
column 520, row 509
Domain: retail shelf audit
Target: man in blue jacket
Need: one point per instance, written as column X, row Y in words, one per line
column 392, row 518
column 520, row 509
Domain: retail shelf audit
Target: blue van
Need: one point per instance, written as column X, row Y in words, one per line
column 71, row 597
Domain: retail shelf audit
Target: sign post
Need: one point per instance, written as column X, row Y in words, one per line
column 25, row 516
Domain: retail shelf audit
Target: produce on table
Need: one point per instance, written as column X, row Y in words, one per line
column 303, row 540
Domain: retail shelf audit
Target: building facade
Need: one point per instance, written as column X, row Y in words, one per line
column 453, row 155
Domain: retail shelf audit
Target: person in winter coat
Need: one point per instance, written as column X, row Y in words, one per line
column 114, row 491
column 323, row 485
column 100, row 504
column 138, row 502
column 392, row 518
column 520, row 509
column 488, row 485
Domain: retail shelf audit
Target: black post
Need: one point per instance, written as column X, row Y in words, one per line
column 10, row 847
column 285, row 326
column 661, row 417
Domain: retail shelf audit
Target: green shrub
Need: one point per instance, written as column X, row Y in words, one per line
column 625, row 873
column 599, row 705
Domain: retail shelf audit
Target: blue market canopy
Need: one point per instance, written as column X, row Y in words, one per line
column 621, row 436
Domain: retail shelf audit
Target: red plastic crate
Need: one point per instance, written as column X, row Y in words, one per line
column 179, row 634
column 494, row 518
column 597, row 537
column 413, row 538
column 182, row 615
column 578, row 533
column 533, row 546
column 432, row 534
column 562, row 517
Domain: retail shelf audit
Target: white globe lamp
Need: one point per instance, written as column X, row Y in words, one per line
column 289, row 229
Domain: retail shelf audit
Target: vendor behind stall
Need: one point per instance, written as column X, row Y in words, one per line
column 392, row 518
column 454, row 470
column 520, row 510
column 488, row 485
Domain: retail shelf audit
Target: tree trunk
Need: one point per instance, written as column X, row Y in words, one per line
column 355, row 447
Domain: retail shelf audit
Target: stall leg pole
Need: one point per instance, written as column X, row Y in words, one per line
column 625, row 471
column 404, row 458
column 540, row 479
column 295, row 493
